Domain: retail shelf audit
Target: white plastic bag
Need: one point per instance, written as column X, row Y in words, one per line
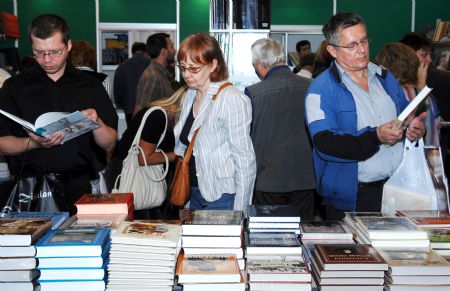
column 411, row 186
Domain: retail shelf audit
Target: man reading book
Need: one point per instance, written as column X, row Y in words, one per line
column 53, row 84
column 351, row 111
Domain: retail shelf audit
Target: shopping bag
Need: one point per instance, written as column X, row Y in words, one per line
column 411, row 187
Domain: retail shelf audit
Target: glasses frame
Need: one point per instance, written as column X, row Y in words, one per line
column 192, row 70
column 50, row 54
column 353, row 45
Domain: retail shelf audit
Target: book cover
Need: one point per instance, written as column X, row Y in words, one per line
column 207, row 269
column 57, row 218
column 272, row 213
column 146, row 233
column 413, row 105
column 439, row 237
column 274, row 225
column 278, row 269
column 22, row 231
column 427, row 218
column 272, row 239
column 211, row 222
column 73, row 242
column 98, row 221
column 390, row 228
column 349, row 257
column 324, row 229
column 211, row 241
column 71, row 125
column 83, row 285
column 105, row 203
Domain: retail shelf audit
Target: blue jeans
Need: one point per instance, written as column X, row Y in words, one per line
column 225, row 202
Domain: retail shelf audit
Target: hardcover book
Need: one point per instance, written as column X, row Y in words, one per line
column 19, row 286
column 97, row 221
column 22, row 231
column 439, row 237
column 278, row 270
column 73, row 242
column 147, row 233
column 211, row 222
column 10, row 252
column 71, row 125
column 207, row 269
column 106, row 203
column 272, row 213
column 211, row 241
column 427, row 218
column 71, row 274
column 85, row 285
column 57, row 218
column 349, row 257
column 17, row 263
column 325, row 230
column 19, row 275
column 390, row 228
column 274, row 225
column 272, row 243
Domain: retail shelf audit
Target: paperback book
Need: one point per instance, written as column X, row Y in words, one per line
column 211, row 222
column 272, row 213
column 22, row 231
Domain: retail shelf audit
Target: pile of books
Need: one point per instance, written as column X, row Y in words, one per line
column 17, row 251
column 143, row 255
column 436, row 224
column 387, row 231
column 273, row 218
column 415, row 270
column 349, row 267
column 57, row 218
column 73, row 259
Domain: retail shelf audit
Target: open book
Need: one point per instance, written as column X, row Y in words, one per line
column 412, row 106
column 71, row 125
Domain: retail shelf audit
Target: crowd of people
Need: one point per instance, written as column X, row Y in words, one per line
column 327, row 129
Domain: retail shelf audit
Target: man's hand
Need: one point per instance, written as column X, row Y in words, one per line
column 91, row 114
column 416, row 128
column 37, row 141
column 389, row 133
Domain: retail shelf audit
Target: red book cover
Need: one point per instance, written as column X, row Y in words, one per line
column 9, row 25
column 107, row 203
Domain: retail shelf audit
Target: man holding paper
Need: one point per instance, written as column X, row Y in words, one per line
column 351, row 111
column 54, row 85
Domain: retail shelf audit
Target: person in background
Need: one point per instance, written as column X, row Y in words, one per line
column 302, row 48
column 83, row 57
column 285, row 171
column 126, row 79
column 323, row 59
column 443, row 63
column 55, row 85
column 27, row 62
column 155, row 80
column 351, row 111
column 307, row 66
column 151, row 133
column 222, row 167
column 403, row 63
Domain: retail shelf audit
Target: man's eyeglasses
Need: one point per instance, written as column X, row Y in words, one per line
column 364, row 42
column 192, row 70
column 50, row 54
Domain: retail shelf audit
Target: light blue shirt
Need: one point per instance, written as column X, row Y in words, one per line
column 374, row 108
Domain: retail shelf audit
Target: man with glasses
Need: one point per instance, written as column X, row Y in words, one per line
column 351, row 110
column 55, row 85
column 154, row 82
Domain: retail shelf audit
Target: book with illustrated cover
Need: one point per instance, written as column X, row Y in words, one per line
column 105, row 203
column 427, row 218
column 207, row 269
column 390, row 228
column 349, row 257
column 96, row 221
column 71, row 125
column 415, row 263
column 320, row 272
column 278, row 270
column 439, row 237
column 272, row 213
column 57, row 218
column 211, row 222
column 147, row 234
column 22, row 231
column 324, row 229
column 73, row 242
column 272, row 243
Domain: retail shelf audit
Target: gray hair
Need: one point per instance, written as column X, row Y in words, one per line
column 338, row 22
column 267, row 52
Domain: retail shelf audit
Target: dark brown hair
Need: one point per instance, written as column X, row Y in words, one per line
column 46, row 25
column 401, row 60
column 82, row 54
column 202, row 48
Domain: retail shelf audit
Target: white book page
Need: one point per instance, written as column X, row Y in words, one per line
column 48, row 118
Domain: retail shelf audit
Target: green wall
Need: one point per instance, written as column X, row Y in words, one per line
column 428, row 10
column 137, row 11
column 304, row 12
column 194, row 17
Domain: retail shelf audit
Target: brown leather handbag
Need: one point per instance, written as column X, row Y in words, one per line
column 181, row 188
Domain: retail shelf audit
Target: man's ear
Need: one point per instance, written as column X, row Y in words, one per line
column 69, row 45
column 332, row 50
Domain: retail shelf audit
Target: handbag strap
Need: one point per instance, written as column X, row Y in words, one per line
column 187, row 155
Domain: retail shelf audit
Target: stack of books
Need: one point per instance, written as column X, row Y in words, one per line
column 73, row 259
column 385, row 231
column 349, row 267
column 273, row 218
column 415, row 270
column 440, row 241
column 143, row 256
column 57, row 218
column 271, row 272
column 213, row 232
column 102, row 210
column 209, row 272
column 17, row 252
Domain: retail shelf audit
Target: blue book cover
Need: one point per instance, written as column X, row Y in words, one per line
column 73, row 242
column 57, row 218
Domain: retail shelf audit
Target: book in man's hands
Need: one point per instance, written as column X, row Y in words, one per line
column 412, row 106
column 70, row 124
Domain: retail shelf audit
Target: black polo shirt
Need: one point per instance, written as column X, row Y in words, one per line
column 32, row 93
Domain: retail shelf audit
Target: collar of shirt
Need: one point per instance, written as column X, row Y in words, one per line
column 372, row 70
column 274, row 69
